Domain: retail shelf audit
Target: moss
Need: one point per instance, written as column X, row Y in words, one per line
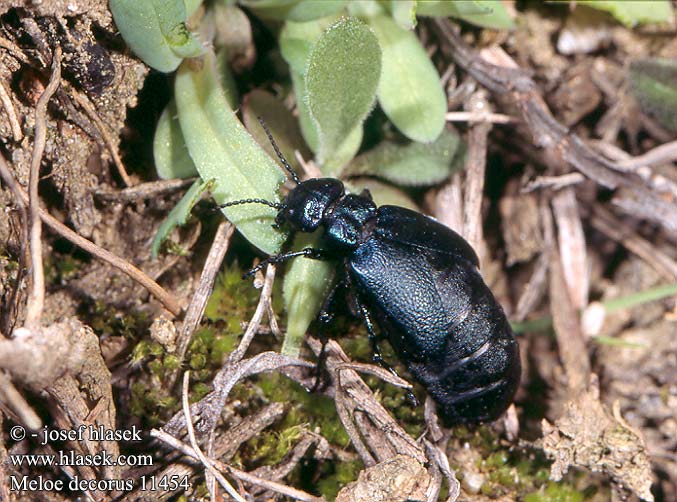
column 270, row 447
column 338, row 475
column 555, row 492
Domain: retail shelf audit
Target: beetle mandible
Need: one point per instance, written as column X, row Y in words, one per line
column 419, row 282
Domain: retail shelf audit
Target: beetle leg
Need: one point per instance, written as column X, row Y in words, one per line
column 377, row 356
column 315, row 254
column 325, row 316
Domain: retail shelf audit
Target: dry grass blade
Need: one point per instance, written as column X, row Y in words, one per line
column 153, row 287
column 605, row 221
column 570, row 339
column 205, row 286
column 236, row 473
column 572, row 247
column 196, row 448
column 475, row 171
column 262, row 308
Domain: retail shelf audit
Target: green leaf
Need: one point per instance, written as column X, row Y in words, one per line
column 416, row 164
column 654, row 83
column 169, row 147
column 306, row 284
column 344, row 152
column 282, row 124
column 382, row 193
column 410, row 91
column 180, row 213
column 403, row 12
column 485, row 13
column 156, row 31
column 308, row 126
column 223, row 150
column 343, row 73
column 294, row 10
column 296, row 42
column 632, row 13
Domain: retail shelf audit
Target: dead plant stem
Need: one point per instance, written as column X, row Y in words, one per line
column 36, row 297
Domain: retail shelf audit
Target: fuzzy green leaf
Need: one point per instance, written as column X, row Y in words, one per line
column 416, row 164
column 156, row 31
column 296, row 42
column 180, row 213
column 306, row 284
column 294, row 10
column 410, row 91
column 654, row 83
column 223, row 150
column 169, row 147
column 485, row 13
column 632, row 13
column 308, row 125
column 343, row 73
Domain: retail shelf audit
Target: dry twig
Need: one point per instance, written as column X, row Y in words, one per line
column 85, row 104
column 196, row 448
column 632, row 195
column 36, row 296
column 7, row 104
column 243, row 476
column 139, row 276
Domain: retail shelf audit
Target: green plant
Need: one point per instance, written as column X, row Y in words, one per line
column 343, row 58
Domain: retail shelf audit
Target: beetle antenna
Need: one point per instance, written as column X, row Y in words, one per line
column 286, row 165
column 275, row 205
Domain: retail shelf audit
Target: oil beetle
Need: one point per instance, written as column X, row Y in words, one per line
column 418, row 281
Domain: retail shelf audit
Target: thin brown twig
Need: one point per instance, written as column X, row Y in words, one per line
column 661, row 154
column 143, row 190
column 7, row 104
column 244, row 476
column 13, row 49
column 10, row 309
column 16, row 402
column 477, row 116
column 85, row 104
column 605, row 221
column 36, row 295
column 168, row 300
column 196, row 448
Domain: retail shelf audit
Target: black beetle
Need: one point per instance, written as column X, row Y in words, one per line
column 420, row 283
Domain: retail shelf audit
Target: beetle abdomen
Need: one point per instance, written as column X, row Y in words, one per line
column 480, row 386
column 444, row 324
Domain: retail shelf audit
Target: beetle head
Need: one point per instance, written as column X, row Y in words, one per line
column 304, row 207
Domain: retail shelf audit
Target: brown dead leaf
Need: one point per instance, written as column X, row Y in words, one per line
column 400, row 478
column 588, row 435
